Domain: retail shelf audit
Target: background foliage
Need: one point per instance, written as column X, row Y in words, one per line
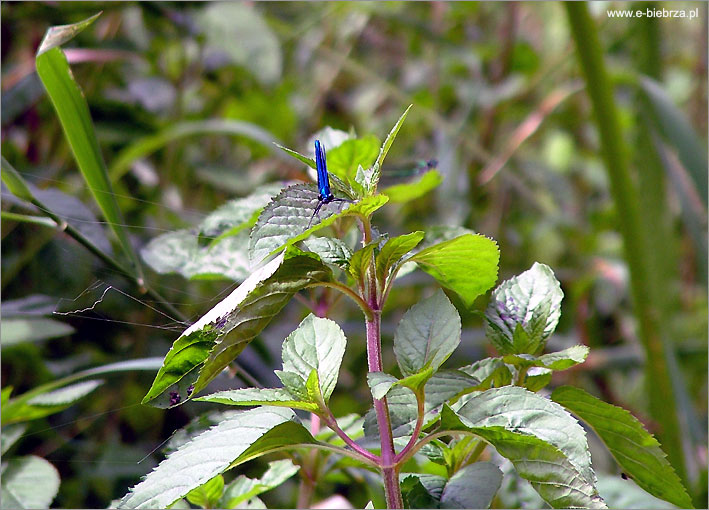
column 186, row 99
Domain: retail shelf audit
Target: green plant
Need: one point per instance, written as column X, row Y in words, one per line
column 425, row 415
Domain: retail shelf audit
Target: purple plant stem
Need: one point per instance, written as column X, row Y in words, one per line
column 390, row 471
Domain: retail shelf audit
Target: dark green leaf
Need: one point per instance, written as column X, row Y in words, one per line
column 422, row 490
column 361, row 259
column 637, row 452
column 427, row 335
column 473, row 486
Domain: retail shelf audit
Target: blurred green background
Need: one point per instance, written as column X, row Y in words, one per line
column 500, row 103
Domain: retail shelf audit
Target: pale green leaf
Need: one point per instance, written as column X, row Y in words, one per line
column 10, row 435
column 15, row 330
column 637, row 452
column 211, row 453
column 317, row 344
column 620, row 493
column 180, row 252
column 427, row 335
column 66, row 395
column 560, row 360
column 344, row 159
column 467, row 265
column 490, row 372
column 406, row 192
column 28, row 482
column 259, row 396
column 380, row 383
column 241, row 32
column 531, row 299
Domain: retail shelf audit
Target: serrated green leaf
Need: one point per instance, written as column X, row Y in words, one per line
column 636, row 450
column 344, row 159
column 377, row 167
column 317, row 344
column 556, row 479
column 28, row 482
column 473, row 486
column 361, row 259
column 221, row 334
column 394, row 249
column 233, row 441
column 66, row 395
column 16, row 330
column 207, row 495
column 280, row 397
column 406, row 192
column 467, row 265
column 620, row 493
column 524, row 412
column 531, row 299
column 285, row 219
column 330, row 250
column 560, row 360
column 427, row 335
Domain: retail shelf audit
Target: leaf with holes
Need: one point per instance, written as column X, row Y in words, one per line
column 214, row 341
